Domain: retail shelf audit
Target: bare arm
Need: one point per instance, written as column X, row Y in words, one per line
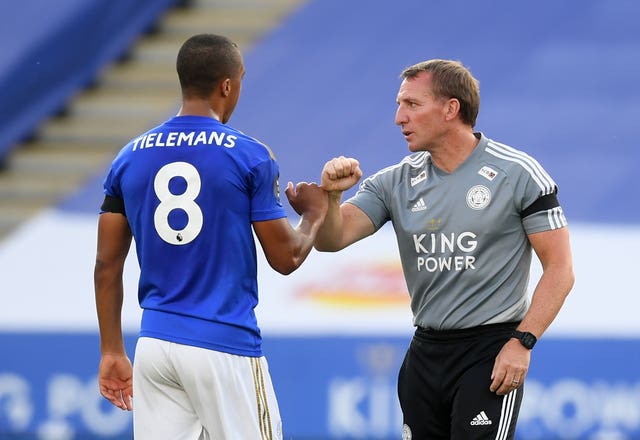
column 286, row 247
column 344, row 224
column 115, row 374
column 554, row 251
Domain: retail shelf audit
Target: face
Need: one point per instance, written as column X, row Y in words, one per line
column 420, row 115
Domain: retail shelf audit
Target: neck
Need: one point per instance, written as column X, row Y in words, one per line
column 198, row 107
column 453, row 150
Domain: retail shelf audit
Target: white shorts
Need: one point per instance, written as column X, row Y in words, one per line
column 182, row 392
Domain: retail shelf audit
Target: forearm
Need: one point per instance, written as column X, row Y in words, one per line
column 330, row 234
column 305, row 232
column 109, row 293
column 547, row 300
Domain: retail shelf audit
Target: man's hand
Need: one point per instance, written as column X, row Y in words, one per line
column 115, row 378
column 307, row 198
column 510, row 367
column 340, row 174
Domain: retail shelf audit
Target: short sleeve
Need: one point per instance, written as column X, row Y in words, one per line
column 544, row 214
column 111, row 184
column 265, row 192
column 537, row 200
column 370, row 198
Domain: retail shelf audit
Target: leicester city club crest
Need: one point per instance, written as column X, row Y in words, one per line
column 478, row 197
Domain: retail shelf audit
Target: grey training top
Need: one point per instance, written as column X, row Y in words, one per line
column 463, row 236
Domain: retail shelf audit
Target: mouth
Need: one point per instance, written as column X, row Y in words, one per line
column 407, row 134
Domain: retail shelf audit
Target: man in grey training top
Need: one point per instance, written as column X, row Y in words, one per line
column 466, row 211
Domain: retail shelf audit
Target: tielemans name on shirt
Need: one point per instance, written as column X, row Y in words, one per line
column 184, row 139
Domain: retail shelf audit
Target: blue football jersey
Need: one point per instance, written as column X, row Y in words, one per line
column 191, row 188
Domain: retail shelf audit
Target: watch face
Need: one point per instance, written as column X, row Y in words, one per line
column 528, row 340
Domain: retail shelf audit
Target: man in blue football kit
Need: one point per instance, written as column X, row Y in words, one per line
column 191, row 193
column 467, row 212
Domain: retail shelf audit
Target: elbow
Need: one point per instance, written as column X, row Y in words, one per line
column 106, row 273
column 327, row 247
column 99, row 271
column 565, row 282
column 284, row 268
column 321, row 248
column 571, row 279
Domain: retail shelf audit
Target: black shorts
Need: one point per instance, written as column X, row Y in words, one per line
column 443, row 386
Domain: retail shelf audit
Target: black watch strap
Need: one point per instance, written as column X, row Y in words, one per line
column 528, row 340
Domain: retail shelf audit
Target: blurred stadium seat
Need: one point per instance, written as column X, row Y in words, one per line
column 80, row 80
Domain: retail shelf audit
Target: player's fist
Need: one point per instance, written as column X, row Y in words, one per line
column 307, row 198
column 340, row 174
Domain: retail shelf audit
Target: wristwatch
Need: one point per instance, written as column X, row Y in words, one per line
column 528, row 340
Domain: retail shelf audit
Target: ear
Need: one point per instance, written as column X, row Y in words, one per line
column 225, row 87
column 452, row 108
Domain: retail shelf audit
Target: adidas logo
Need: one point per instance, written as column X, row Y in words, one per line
column 419, row 206
column 481, row 419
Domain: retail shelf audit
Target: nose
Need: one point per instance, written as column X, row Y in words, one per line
column 400, row 116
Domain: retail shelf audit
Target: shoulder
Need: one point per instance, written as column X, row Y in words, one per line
column 131, row 146
column 139, row 142
column 409, row 165
column 516, row 164
column 249, row 142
